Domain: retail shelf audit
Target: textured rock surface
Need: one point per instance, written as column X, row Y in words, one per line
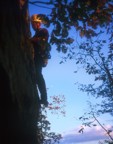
column 18, row 94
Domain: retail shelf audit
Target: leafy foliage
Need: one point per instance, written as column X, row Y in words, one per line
column 86, row 16
column 44, row 134
column 98, row 61
column 90, row 119
column 91, row 13
column 57, row 106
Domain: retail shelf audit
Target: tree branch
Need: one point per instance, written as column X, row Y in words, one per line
column 103, row 128
column 40, row 2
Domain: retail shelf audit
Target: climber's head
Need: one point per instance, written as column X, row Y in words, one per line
column 36, row 21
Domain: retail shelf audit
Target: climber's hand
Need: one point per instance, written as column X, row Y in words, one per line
column 45, row 62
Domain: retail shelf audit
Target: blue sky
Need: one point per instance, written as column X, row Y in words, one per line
column 60, row 80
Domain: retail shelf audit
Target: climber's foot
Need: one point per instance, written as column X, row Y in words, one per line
column 44, row 102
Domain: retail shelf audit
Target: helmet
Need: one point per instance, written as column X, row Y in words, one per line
column 36, row 18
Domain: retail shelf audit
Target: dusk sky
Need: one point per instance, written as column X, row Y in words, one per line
column 60, row 80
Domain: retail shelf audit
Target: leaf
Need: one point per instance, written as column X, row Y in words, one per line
column 81, row 130
column 82, row 33
column 77, row 62
column 80, row 118
column 69, row 40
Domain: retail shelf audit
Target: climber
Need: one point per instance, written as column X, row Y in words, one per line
column 41, row 54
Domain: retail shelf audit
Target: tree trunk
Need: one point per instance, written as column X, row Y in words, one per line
column 19, row 101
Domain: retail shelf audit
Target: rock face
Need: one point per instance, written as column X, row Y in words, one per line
column 19, row 99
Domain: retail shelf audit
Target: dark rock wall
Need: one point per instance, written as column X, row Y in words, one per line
column 18, row 94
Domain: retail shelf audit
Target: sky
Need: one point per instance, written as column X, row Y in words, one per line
column 60, row 80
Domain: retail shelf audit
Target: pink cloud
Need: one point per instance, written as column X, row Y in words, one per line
column 89, row 134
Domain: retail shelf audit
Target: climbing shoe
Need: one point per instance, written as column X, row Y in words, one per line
column 44, row 102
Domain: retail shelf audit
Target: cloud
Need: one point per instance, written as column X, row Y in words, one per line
column 89, row 134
